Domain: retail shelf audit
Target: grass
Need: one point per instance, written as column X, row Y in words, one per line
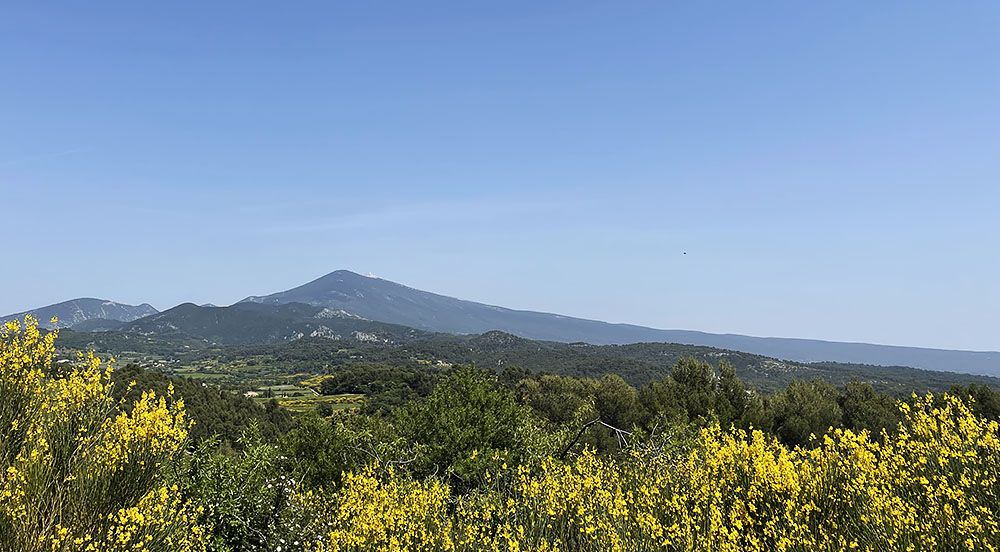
column 306, row 403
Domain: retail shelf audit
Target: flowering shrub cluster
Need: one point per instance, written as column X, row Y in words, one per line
column 78, row 471
column 934, row 486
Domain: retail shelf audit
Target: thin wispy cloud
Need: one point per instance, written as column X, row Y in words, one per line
column 40, row 157
column 452, row 211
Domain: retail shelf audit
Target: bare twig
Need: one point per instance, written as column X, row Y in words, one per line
column 620, row 434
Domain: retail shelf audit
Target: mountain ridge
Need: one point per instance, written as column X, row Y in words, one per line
column 387, row 301
column 83, row 310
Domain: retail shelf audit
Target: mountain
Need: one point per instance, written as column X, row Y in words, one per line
column 250, row 323
column 99, row 325
column 84, row 310
column 385, row 301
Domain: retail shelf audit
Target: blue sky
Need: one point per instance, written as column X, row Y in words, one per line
column 832, row 170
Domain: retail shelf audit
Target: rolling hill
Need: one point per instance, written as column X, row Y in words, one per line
column 249, row 323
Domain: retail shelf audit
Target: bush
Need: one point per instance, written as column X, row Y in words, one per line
column 247, row 499
column 79, row 470
column 804, row 410
column 468, row 425
column 936, row 486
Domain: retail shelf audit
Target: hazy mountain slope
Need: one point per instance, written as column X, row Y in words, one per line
column 99, row 325
column 379, row 299
column 76, row 311
column 386, row 301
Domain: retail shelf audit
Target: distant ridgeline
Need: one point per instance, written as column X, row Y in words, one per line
column 371, row 312
column 86, row 314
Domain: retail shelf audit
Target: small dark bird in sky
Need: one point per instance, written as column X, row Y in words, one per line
column 685, row 252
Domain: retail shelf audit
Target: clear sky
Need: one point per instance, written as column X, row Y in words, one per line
column 831, row 169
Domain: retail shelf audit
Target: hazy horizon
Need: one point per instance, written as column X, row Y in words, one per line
column 822, row 172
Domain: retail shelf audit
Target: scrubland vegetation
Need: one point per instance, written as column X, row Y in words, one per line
column 459, row 458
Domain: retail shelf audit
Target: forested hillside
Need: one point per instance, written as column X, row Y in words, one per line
column 202, row 340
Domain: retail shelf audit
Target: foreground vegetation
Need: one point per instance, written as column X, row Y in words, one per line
column 473, row 460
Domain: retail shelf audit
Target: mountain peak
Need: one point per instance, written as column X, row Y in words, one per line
column 344, row 274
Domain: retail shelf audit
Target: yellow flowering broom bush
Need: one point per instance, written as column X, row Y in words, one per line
column 78, row 470
column 932, row 486
column 390, row 513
